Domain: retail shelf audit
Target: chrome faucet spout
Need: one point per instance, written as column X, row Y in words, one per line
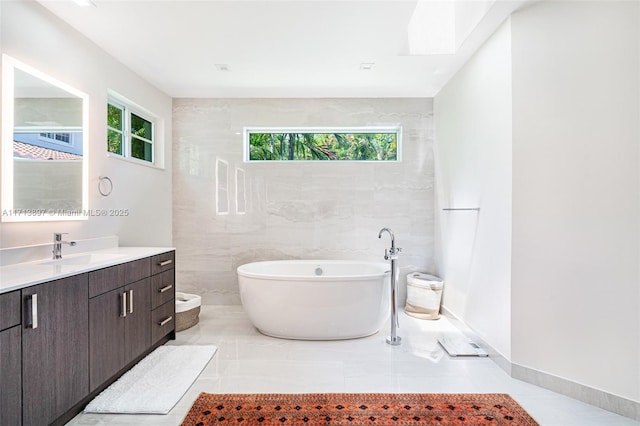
column 391, row 253
column 390, row 232
column 57, row 244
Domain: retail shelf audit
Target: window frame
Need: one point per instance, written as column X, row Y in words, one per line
column 44, row 136
column 116, row 104
column 397, row 129
column 126, row 134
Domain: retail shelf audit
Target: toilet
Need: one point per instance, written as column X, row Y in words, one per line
column 187, row 310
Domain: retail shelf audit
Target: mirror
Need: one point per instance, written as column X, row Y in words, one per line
column 44, row 147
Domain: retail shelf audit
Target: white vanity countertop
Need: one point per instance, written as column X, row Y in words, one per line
column 20, row 275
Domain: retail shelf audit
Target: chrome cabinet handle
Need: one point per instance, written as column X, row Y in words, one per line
column 123, row 313
column 165, row 288
column 34, row 311
column 130, row 301
column 165, row 262
column 163, row 322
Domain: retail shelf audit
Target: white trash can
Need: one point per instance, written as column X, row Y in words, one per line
column 187, row 310
column 424, row 293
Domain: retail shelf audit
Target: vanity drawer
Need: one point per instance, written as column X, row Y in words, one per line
column 107, row 279
column 9, row 309
column 163, row 321
column 163, row 288
column 163, row 262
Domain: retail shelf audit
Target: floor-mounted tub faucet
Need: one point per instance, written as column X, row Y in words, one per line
column 392, row 254
column 57, row 244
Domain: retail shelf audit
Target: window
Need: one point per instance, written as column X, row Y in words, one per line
column 302, row 144
column 58, row 137
column 130, row 133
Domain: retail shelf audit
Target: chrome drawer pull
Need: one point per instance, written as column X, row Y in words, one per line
column 163, row 322
column 165, row 262
column 123, row 313
column 34, row 311
column 130, row 301
column 165, row 288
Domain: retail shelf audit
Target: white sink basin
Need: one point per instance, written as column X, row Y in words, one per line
column 83, row 259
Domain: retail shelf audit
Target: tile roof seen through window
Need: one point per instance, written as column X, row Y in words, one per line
column 28, row 151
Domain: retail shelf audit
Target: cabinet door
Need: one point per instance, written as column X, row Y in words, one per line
column 10, row 377
column 137, row 329
column 106, row 336
column 9, row 309
column 55, row 348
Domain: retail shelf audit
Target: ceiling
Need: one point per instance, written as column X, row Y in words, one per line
column 273, row 48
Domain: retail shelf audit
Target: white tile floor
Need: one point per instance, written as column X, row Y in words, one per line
column 248, row 362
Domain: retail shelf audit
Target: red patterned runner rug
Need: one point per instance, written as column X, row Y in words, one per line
column 357, row 409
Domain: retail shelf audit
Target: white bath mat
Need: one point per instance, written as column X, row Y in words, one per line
column 155, row 384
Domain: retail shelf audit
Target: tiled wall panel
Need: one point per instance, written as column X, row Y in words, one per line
column 228, row 212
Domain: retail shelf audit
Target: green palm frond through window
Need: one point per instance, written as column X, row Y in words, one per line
column 303, row 146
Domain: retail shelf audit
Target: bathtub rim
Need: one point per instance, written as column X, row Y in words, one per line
column 384, row 267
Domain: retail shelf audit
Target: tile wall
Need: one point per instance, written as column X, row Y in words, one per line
column 227, row 212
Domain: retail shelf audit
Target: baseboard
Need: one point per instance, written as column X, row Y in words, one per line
column 606, row 401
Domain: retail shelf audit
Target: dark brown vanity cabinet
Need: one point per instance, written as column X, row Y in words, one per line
column 10, row 359
column 63, row 341
column 55, row 348
column 119, row 319
column 124, row 316
column 163, row 295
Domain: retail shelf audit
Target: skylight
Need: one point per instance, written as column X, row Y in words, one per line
column 439, row 27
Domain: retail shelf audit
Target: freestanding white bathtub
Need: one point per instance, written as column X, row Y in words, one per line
column 315, row 299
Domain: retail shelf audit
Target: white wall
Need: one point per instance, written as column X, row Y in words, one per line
column 576, row 194
column 573, row 162
column 472, row 116
column 312, row 210
column 31, row 34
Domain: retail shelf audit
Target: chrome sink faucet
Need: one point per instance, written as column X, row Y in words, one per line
column 57, row 244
